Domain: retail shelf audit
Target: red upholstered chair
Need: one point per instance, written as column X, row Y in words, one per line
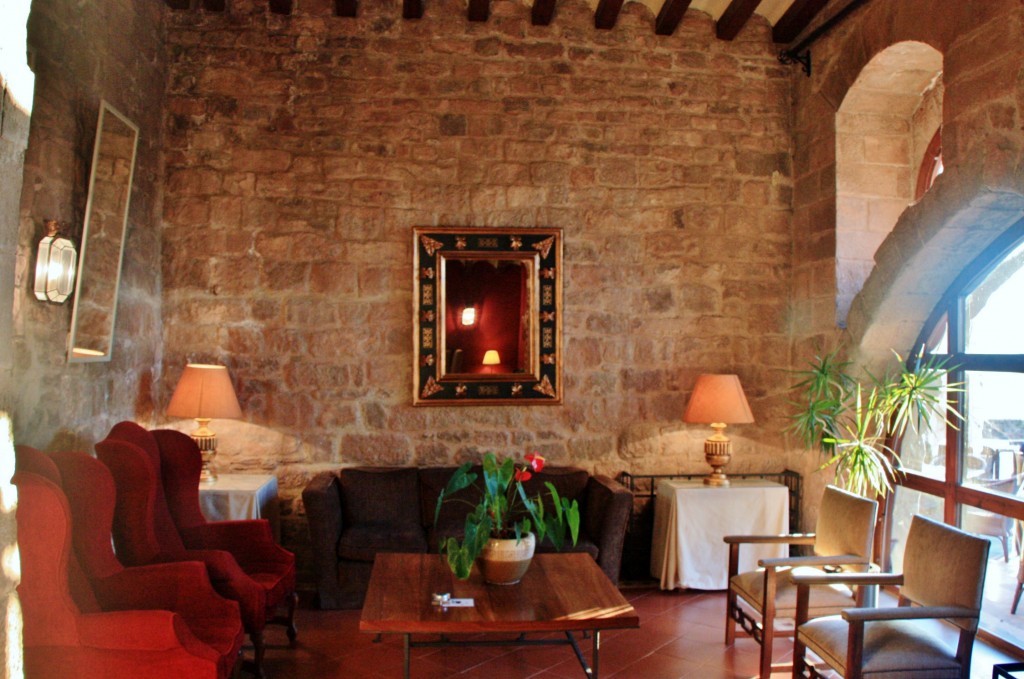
column 144, row 532
column 68, row 637
column 251, row 541
column 183, row 587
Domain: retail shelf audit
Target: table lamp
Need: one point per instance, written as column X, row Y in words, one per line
column 491, row 358
column 205, row 392
column 718, row 400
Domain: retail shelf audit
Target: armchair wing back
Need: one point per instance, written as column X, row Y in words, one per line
column 846, row 525
column 60, row 638
column 961, row 578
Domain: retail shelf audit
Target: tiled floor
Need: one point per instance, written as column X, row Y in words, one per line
column 680, row 636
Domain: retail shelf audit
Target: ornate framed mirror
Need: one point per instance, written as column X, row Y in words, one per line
column 487, row 305
column 106, row 218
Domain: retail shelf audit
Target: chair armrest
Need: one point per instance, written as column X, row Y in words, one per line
column 608, row 505
column 793, row 561
column 181, row 587
column 248, row 540
column 322, row 501
column 909, row 613
column 140, row 631
column 861, row 579
column 786, row 539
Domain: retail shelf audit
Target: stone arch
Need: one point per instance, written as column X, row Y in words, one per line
column 981, row 192
column 883, row 127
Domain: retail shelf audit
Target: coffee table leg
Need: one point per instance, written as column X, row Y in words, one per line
column 405, row 671
column 594, row 658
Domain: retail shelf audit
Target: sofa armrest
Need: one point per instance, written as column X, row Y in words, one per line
column 322, row 500
column 608, row 505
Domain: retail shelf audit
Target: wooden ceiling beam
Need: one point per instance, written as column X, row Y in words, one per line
column 346, row 8
column 479, row 10
column 412, row 9
column 607, row 13
column 796, row 19
column 542, row 13
column 734, row 18
column 670, row 15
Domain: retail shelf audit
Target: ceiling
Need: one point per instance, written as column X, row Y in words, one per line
column 788, row 18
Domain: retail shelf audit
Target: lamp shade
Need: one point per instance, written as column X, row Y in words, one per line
column 491, row 357
column 718, row 398
column 204, row 391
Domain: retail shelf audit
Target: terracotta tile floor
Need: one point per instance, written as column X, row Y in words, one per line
column 680, row 637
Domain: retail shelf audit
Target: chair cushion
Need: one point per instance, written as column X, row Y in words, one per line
column 362, row 542
column 824, row 600
column 379, row 496
column 899, row 648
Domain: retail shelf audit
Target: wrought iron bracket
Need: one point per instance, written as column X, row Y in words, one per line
column 791, row 57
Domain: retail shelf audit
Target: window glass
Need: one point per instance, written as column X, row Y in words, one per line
column 907, row 503
column 938, row 341
column 995, row 314
column 923, row 448
column 994, row 431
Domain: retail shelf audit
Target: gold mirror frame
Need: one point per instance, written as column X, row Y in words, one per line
column 106, row 219
column 539, row 380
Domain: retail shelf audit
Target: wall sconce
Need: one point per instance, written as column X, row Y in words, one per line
column 205, row 392
column 718, row 400
column 468, row 317
column 56, row 262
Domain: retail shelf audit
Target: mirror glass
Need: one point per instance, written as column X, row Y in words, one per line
column 487, row 305
column 106, row 217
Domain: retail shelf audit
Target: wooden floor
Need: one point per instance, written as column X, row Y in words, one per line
column 680, row 636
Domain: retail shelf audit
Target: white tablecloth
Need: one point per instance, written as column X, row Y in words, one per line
column 690, row 520
column 241, row 496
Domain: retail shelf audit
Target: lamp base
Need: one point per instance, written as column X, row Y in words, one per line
column 717, row 453
column 206, row 441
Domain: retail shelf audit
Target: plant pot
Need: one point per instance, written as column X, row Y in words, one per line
column 504, row 561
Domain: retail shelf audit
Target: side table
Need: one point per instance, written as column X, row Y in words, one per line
column 242, row 496
column 690, row 520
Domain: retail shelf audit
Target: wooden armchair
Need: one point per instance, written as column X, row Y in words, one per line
column 905, row 640
column 843, row 540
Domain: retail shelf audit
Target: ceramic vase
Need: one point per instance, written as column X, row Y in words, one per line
column 504, row 561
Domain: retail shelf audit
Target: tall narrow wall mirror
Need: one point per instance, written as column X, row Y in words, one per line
column 487, row 316
column 106, row 219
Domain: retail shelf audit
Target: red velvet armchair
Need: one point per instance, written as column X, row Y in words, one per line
column 68, row 633
column 182, row 587
column 145, row 532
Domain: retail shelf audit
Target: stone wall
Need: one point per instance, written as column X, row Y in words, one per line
column 82, row 53
column 302, row 150
column 980, row 194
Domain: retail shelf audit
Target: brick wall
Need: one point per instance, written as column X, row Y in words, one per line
column 302, row 150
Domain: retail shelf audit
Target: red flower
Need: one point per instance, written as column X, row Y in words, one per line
column 536, row 461
column 523, row 475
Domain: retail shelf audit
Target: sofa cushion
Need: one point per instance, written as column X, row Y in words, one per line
column 379, row 495
column 364, row 541
column 570, row 483
column 583, row 544
column 453, row 511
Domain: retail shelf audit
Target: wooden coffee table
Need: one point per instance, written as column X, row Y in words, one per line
column 559, row 593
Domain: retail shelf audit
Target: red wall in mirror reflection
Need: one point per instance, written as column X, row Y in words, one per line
column 498, row 291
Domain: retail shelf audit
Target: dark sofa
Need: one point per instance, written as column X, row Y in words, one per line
column 355, row 513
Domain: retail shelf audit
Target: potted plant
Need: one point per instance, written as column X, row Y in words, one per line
column 500, row 527
column 857, row 425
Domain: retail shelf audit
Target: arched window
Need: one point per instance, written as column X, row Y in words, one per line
column 931, row 165
column 970, row 474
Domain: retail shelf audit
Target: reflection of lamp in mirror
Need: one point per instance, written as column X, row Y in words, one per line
column 718, row 400
column 468, row 317
column 491, row 359
column 55, row 265
column 205, row 392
